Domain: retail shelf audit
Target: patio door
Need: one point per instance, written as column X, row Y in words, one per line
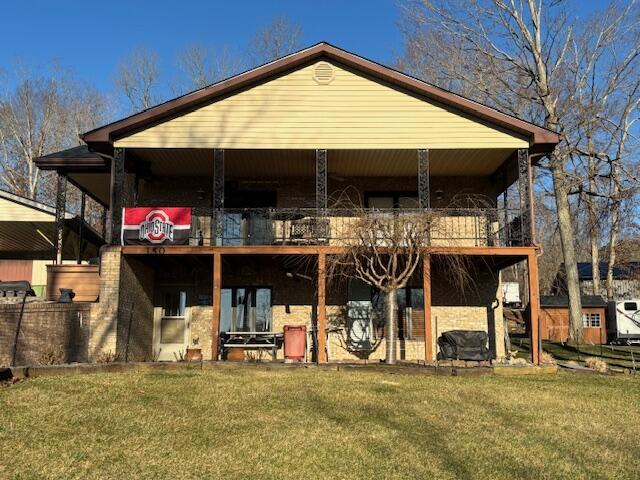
column 171, row 324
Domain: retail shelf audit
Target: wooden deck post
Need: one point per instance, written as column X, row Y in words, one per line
column 534, row 307
column 322, row 309
column 217, row 297
column 426, row 289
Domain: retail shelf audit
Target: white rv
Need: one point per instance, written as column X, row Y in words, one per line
column 623, row 322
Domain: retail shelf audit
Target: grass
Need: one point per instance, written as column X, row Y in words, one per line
column 615, row 355
column 252, row 423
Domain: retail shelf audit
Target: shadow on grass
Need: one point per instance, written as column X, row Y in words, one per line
column 615, row 355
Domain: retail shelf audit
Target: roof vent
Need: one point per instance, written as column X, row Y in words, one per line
column 323, row 73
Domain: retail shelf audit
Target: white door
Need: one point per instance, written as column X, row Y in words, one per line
column 171, row 325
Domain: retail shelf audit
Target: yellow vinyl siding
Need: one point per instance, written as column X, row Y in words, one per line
column 293, row 111
column 14, row 212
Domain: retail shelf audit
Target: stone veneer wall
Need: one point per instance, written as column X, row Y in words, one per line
column 202, row 328
column 58, row 331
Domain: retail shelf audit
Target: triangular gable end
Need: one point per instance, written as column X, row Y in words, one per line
column 324, row 104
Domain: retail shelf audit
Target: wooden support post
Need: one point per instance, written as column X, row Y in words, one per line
column 61, row 209
column 424, row 190
column 534, row 307
column 117, row 195
column 83, row 203
column 321, row 179
column 426, row 289
column 216, row 299
column 322, row 309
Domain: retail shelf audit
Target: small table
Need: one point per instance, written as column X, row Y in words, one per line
column 252, row 341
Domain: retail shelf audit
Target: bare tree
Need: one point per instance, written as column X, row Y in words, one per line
column 39, row 115
column 517, row 57
column 384, row 247
column 138, row 78
column 281, row 37
column 202, row 66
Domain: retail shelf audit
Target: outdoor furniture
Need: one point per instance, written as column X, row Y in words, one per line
column 20, row 288
column 251, row 341
column 463, row 345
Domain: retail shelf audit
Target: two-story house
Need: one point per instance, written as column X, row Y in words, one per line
column 224, row 208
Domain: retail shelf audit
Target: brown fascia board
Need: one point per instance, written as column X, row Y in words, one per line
column 73, row 165
column 541, row 139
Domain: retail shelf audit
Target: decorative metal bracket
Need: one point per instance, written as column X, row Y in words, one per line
column 117, row 194
column 524, row 187
column 61, row 208
column 321, row 179
column 424, row 190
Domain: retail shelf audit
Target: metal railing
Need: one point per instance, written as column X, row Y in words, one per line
column 311, row 226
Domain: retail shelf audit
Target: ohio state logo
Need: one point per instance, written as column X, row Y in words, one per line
column 156, row 228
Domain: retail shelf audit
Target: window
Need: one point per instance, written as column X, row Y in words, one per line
column 591, row 320
column 245, row 309
column 392, row 200
column 631, row 306
column 173, row 322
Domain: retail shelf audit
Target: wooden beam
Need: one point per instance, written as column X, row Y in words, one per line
column 426, row 289
column 61, row 210
column 216, row 300
column 117, row 195
column 521, row 252
column 534, row 307
column 322, row 309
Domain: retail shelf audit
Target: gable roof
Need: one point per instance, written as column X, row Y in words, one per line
column 541, row 139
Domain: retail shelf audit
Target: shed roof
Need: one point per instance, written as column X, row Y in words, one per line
column 621, row 271
column 563, row 301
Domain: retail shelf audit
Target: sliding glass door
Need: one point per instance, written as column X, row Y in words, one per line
column 245, row 309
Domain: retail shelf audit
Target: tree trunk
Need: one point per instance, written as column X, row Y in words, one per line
column 613, row 232
column 594, row 227
column 568, row 250
column 391, row 315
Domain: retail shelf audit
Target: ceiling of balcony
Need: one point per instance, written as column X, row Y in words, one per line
column 296, row 163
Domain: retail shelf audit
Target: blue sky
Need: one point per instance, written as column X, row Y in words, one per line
column 91, row 37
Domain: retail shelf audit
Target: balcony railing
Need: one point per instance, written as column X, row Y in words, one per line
column 338, row 227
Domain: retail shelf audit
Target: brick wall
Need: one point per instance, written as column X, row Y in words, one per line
column 103, row 336
column 48, row 329
column 135, row 310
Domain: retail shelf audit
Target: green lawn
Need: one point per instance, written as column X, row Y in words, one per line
column 298, row 424
column 616, row 356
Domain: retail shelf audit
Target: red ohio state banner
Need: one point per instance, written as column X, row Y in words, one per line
column 156, row 225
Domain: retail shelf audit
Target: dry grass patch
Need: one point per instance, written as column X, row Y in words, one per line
column 239, row 423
